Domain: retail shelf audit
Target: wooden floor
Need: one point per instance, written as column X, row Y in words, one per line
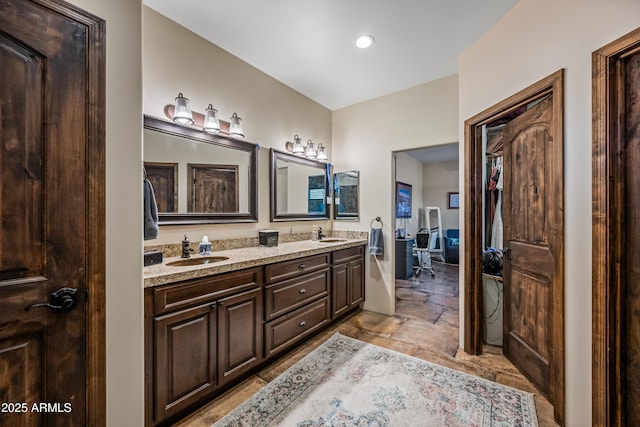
column 425, row 326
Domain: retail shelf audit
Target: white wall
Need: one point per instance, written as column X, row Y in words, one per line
column 440, row 178
column 409, row 171
column 125, row 372
column 177, row 60
column 535, row 39
column 365, row 136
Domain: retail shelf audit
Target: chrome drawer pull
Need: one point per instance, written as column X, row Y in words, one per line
column 303, row 323
column 301, row 266
column 303, row 291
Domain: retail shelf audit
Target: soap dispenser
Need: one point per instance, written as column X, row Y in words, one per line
column 205, row 246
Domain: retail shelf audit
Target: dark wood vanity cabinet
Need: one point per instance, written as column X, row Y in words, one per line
column 204, row 333
column 239, row 334
column 184, row 358
column 347, row 282
column 296, row 300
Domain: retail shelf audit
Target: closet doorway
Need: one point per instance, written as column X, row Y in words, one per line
column 533, row 242
column 616, row 233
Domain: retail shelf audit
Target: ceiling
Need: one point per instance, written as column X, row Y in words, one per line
column 435, row 154
column 309, row 45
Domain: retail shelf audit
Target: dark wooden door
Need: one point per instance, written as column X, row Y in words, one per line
column 630, row 328
column 615, row 232
column 164, row 180
column 529, row 263
column 214, row 188
column 44, row 211
column 240, row 337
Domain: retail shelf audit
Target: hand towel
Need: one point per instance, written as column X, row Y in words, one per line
column 150, row 212
column 376, row 242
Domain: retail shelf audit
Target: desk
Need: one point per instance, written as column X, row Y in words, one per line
column 404, row 258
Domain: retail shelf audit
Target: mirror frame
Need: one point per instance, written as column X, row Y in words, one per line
column 197, row 135
column 274, row 155
column 345, row 217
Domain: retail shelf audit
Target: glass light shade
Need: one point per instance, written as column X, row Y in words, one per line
column 310, row 150
column 322, row 153
column 235, row 127
column 182, row 113
column 211, row 122
column 298, row 149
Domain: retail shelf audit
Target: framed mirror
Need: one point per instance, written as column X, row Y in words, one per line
column 346, row 195
column 200, row 178
column 299, row 187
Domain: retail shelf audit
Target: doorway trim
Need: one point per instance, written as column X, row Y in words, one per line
column 95, row 387
column 607, row 225
column 473, row 225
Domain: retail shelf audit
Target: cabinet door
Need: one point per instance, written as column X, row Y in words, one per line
column 339, row 290
column 240, row 334
column 356, row 282
column 185, row 358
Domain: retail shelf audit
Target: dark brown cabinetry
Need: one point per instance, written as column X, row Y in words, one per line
column 204, row 333
column 185, row 358
column 296, row 300
column 404, row 258
column 240, row 334
column 347, row 284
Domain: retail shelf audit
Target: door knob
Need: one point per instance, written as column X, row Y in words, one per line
column 507, row 252
column 64, row 299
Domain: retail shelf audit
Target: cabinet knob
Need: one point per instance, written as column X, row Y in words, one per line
column 303, row 291
column 301, row 266
column 303, row 323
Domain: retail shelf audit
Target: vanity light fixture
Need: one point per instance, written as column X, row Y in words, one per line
column 182, row 114
column 364, row 42
column 235, row 127
column 322, row 153
column 298, row 149
column 310, row 150
column 211, row 121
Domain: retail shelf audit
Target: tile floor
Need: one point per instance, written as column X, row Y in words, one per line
column 425, row 326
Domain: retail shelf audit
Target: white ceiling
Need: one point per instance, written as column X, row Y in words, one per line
column 435, row 154
column 309, row 45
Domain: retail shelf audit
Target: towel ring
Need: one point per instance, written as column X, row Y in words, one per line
column 376, row 219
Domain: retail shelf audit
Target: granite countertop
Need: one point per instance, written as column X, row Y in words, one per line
column 162, row 274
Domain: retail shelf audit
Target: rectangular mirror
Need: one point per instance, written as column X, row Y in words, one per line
column 299, row 188
column 199, row 178
column 346, row 195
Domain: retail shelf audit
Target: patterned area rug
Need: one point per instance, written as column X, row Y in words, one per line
column 346, row 382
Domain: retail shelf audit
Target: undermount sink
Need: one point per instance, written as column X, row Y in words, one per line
column 332, row 240
column 197, row 261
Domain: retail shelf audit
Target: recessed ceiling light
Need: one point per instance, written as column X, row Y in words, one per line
column 364, row 42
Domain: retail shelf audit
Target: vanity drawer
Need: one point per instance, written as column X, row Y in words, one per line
column 295, row 267
column 294, row 326
column 293, row 293
column 346, row 255
column 197, row 291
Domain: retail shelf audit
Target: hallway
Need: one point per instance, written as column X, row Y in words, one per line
column 425, row 326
